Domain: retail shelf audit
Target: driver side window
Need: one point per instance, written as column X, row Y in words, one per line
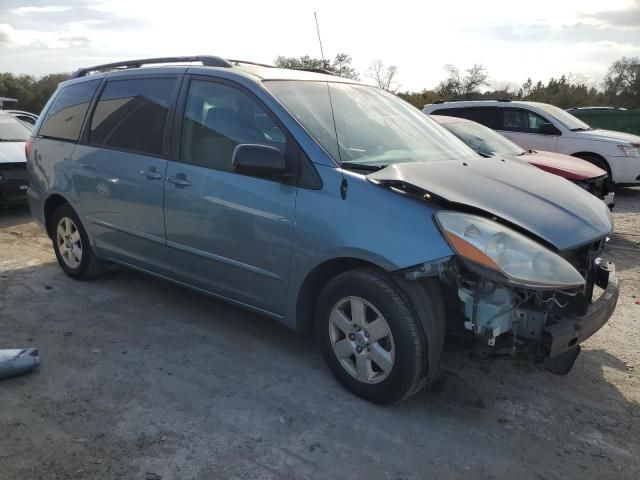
column 218, row 118
column 524, row 121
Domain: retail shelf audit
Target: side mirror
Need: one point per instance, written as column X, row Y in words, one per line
column 548, row 129
column 258, row 160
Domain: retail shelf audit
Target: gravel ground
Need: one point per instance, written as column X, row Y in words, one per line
column 144, row 380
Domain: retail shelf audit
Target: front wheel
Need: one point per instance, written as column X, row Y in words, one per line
column 370, row 338
column 72, row 247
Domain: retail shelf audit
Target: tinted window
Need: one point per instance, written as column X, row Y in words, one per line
column 132, row 115
column 218, row 118
column 11, row 130
column 65, row 116
column 487, row 116
column 517, row 120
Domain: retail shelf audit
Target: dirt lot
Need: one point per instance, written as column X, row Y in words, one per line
column 144, row 380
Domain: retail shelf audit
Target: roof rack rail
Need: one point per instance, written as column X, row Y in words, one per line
column 206, row 60
column 246, row 62
column 315, row 70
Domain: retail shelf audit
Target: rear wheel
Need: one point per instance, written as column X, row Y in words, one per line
column 370, row 338
column 72, row 247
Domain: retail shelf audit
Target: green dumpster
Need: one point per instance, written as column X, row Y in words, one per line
column 618, row 120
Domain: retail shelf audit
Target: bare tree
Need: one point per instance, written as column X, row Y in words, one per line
column 458, row 85
column 384, row 76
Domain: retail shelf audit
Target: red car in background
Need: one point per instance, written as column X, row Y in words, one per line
column 489, row 143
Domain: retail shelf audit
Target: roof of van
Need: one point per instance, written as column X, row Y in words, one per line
column 208, row 64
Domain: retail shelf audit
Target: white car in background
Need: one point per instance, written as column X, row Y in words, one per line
column 13, row 163
column 540, row 126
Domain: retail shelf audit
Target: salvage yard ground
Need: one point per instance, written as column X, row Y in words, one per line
column 144, row 380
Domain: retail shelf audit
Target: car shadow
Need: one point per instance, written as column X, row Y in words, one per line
column 13, row 215
column 627, row 200
column 140, row 341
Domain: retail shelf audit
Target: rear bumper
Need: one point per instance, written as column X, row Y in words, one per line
column 567, row 333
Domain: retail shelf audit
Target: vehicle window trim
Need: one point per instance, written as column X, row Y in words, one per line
column 293, row 150
column 86, row 128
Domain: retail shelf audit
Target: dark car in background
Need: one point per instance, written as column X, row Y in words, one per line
column 489, row 143
column 13, row 165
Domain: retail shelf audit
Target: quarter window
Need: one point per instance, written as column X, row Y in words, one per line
column 132, row 115
column 66, row 114
column 516, row 120
column 487, row 116
column 218, row 118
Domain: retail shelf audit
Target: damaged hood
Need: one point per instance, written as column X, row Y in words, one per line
column 546, row 205
column 571, row 168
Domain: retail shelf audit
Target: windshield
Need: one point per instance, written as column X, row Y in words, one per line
column 12, row 130
column 374, row 128
column 483, row 140
column 564, row 117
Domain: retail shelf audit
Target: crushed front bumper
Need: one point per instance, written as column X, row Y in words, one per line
column 566, row 333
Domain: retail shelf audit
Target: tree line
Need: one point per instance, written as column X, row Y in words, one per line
column 619, row 88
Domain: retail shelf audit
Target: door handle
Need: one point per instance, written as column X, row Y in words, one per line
column 180, row 180
column 151, row 174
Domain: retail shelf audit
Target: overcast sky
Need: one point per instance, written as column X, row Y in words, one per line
column 513, row 39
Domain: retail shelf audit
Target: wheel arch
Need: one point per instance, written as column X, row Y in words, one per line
column 52, row 203
column 586, row 155
column 315, row 281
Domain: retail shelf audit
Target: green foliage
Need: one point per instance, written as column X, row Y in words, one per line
column 340, row 66
column 621, row 86
column 622, row 83
column 32, row 93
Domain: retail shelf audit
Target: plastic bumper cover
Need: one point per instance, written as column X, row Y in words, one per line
column 567, row 333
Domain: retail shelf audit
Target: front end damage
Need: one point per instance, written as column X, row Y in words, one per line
column 547, row 324
column 526, row 273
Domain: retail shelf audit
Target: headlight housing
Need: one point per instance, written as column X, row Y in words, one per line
column 521, row 260
column 631, row 150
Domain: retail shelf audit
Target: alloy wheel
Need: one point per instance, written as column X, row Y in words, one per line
column 361, row 340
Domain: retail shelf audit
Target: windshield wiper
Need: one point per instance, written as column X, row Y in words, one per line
column 363, row 166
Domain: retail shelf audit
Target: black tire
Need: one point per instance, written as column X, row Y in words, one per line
column 89, row 266
column 597, row 161
column 409, row 371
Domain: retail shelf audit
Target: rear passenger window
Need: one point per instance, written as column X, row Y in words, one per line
column 132, row 115
column 64, row 118
column 217, row 118
column 487, row 116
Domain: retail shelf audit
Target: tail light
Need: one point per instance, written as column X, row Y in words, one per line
column 27, row 147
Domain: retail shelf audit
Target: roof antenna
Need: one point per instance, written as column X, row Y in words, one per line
column 343, row 184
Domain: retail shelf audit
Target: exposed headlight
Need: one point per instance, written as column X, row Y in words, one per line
column 631, row 150
column 492, row 245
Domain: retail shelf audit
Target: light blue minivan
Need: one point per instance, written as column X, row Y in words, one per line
column 329, row 205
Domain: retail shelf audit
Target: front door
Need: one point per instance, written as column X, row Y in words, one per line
column 228, row 233
column 119, row 174
column 523, row 127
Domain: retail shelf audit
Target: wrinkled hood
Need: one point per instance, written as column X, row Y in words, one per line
column 12, row 152
column 607, row 136
column 548, row 206
column 571, row 168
